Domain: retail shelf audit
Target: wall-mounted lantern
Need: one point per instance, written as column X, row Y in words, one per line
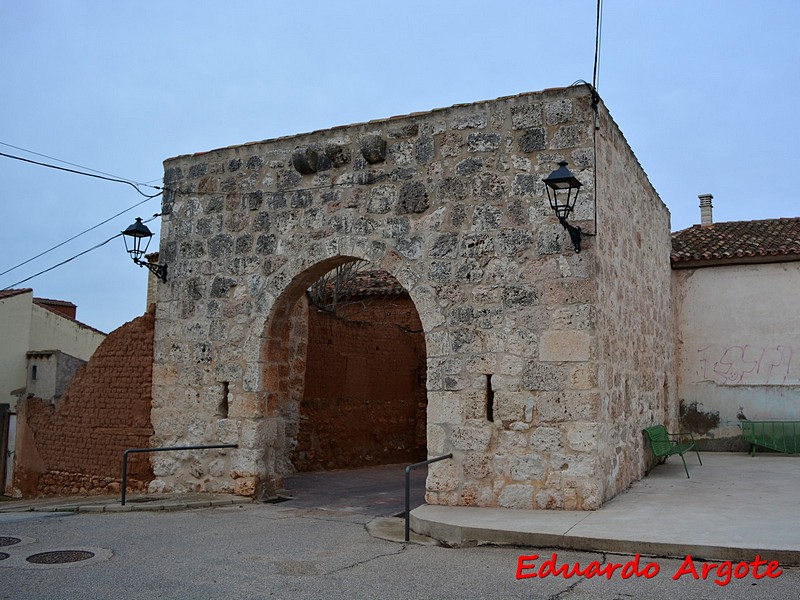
column 562, row 191
column 138, row 233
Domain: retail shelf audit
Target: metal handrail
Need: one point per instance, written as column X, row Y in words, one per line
column 133, row 450
column 408, row 486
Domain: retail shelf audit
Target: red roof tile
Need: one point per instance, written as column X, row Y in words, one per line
column 12, row 293
column 769, row 240
column 51, row 302
column 376, row 283
column 369, row 283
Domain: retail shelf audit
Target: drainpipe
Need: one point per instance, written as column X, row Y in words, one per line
column 705, row 209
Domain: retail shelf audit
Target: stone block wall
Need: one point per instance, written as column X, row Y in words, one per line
column 452, row 204
column 74, row 445
column 635, row 352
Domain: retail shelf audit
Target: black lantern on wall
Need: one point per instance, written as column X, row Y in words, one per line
column 136, row 235
column 562, row 192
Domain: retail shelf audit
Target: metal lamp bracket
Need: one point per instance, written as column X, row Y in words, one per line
column 160, row 271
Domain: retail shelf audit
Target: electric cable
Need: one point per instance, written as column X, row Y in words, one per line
column 597, row 40
column 71, row 258
column 12, row 286
column 84, row 173
column 596, row 99
column 75, row 236
column 66, row 162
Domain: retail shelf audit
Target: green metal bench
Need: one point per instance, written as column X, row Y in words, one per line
column 665, row 444
column 781, row 436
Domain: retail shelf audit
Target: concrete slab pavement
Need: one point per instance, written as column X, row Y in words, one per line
column 733, row 507
column 377, row 491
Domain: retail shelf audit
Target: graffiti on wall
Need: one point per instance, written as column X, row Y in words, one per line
column 747, row 365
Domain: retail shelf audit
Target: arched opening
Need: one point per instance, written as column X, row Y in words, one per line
column 364, row 397
column 345, row 372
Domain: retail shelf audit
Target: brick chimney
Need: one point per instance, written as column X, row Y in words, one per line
column 705, row 209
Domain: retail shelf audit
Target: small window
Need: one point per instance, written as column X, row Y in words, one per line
column 33, row 372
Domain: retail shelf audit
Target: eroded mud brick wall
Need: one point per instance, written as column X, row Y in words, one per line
column 523, row 387
column 364, row 402
column 76, row 445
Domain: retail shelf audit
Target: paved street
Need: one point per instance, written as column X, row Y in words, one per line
column 273, row 551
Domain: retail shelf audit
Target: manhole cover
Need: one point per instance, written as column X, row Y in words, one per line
column 8, row 541
column 4, row 556
column 59, row 557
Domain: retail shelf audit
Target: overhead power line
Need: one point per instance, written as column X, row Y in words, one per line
column 62, row 263
column 66, row 162
column 597, row 42
column 85, row 174
column 25, row 262
column 71, row 258
column 96, row 174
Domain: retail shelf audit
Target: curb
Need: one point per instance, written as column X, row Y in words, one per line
column 165, row 505
column 460, row 536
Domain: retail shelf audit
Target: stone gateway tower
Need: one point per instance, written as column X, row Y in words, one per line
column 542, row 365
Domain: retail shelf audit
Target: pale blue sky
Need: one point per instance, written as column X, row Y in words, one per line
column 704, row 91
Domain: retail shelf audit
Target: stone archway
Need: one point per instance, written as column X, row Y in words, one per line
column 531, row 349
column 347, row 387
column 283, row 377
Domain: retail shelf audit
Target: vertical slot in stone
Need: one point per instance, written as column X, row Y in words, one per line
column 222, row 409
column 489, row 399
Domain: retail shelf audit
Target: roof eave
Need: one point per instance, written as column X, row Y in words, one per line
column 736, row 260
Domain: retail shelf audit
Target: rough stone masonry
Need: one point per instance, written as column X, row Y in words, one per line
column 543, row 365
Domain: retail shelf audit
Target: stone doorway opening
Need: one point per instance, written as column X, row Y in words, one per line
column 346, row 372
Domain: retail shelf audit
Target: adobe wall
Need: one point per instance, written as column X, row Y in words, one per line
column 364, row 400
column 452, row 204
column 75, row 445
column 748, row 371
